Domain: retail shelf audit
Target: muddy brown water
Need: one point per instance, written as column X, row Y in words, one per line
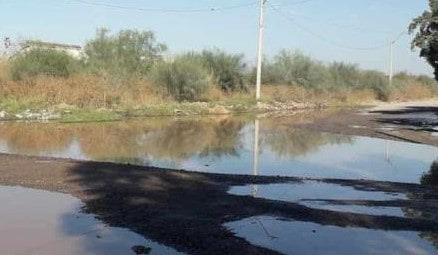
column 41, row 222
column 224, row 145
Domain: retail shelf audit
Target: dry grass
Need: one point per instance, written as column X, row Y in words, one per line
column 412, row 91
column 4, row 70
column 94, row 92
column 86, row 91
column 285, row 93
column 81, row 91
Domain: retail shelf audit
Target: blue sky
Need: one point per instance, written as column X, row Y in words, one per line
column 323, row 29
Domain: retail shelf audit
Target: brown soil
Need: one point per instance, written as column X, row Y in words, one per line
column 406, row 124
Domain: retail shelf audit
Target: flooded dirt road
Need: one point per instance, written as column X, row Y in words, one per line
column 227, row 145
column 337, row 192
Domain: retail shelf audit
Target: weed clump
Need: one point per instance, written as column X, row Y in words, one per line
column 185, row 78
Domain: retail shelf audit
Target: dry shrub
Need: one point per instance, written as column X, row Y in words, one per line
column 213, row 94
column 412, row 91
column 4, row 70
column 81, row 91
column 352, row 97
column 286, row 93
column 141, row 92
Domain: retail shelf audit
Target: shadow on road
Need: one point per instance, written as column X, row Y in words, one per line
column 187, row 210
column 414, row 117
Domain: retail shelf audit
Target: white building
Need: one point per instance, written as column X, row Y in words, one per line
column 72, row 50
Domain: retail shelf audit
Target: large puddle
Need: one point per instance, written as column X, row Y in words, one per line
column 225, row 145
column 41, row 222
column 293, row 237
column 320, row 195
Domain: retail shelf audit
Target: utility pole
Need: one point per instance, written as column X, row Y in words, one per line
column 260, row 48
column 391, row 61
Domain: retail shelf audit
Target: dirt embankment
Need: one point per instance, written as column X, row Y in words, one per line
column 412, row 122
column 186, row 210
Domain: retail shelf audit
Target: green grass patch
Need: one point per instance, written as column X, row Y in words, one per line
column 89, row 115
column 14, row 105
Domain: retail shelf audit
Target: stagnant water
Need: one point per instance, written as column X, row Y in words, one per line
column 48, row 223
column 221, row 144
column 225, row 145
column 294, row 237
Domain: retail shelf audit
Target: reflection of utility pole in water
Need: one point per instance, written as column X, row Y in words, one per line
column 255, row 158
column 386, row 150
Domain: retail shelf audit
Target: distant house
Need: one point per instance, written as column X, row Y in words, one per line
column 72, row 50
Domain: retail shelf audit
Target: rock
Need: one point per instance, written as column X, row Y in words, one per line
column 218, row 110
column 3, row 114
column 140, row 249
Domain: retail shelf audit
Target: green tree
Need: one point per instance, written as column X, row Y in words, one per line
column 127, row 53
column 426, row 38
column 40, row 61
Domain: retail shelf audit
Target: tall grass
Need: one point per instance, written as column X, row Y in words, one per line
column 78, row 91
column 4, row 70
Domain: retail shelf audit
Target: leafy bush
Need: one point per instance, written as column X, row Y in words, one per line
column 185, row 78
column 344, row 76
column 295, row 68
column 125, row 54
column 377, row 81
column 228, row 69
column 41, row 61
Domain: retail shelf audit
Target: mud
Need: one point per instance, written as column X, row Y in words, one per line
column 414, row 124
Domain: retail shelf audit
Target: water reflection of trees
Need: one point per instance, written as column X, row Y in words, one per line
column 430, row 178
column 31, row 138
column 166, row 139
column 287, row 141
column 172, row 139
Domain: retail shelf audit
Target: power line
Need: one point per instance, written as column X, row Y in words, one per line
column 322, row 38
column 298, row 2
column 399, row 36
column 341, row 26
column 209, row 9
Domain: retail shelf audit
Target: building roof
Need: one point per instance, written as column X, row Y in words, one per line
column 28, row 44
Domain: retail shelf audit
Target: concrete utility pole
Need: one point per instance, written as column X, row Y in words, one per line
column 260, row 48
column 391, row 61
